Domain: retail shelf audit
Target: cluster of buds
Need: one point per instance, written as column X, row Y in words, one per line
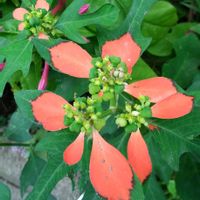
column 108, row 77
column 40, row 21
column 135, row 115
column 85, row 114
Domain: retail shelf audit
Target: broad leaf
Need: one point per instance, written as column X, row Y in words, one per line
column 70, row 21
column 175, row 137
column 23, row 99
column 153, row 190
column 18, row 127
column 18, row 57
column 190, row 171
column 184, row 66
column 55, row 169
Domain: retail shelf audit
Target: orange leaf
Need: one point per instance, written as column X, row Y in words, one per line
column 42, row 4
column 19, row 13
column 138, row 156
column 110, row 173
column 48, row 110
column 125, row 48
column 71, row 59
column 172, row 107
column 73, row 153
column 156, row 89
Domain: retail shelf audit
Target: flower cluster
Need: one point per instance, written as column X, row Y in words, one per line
column 110, row 172
column 37, row 20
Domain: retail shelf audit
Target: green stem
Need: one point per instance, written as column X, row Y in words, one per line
column 16, row 144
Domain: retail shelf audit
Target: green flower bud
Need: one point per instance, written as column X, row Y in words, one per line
column 93, row 89
column 94, row 117
column 68, row 121
column 90, row 109
column 90, row 101
column 146, row 112
column 105, row 60
column 131, row 128
column 99, row 64
column 86, row 125
column 121, row 122
column 95, row 60
column 82, row 105
column 34, row 21
column 115, row 60
column 75, row 127
column 76, row 104
column 93, row 72
column 99, row 124
column 107, row 96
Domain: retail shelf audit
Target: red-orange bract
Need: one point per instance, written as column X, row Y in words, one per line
column 107, row 164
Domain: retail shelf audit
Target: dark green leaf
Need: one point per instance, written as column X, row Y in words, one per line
column 18, row 57
column 70, row 21
column 184, row 66
column 188, row 178
column 175, row 137
column 18, row 127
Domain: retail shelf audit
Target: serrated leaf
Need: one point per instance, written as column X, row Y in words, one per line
column 70, row 21
column 55, row 169
column 137, row 192
column 52, row 173
column 184, row 66
column 153, row 190
column 18, row 127
column 18, row 56
column 23, row 99
column 175, row 137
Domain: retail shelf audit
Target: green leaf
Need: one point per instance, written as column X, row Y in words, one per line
column 42, row 47
column 4, row 192
column 188, row 178
column 176, row 137
column 141, row 71
column 160, row 167
column 55, row 168
column 184, row 66
column 157, row 23
column 70, row 21
column 51, row 174
column 30, row 172
column 18, row 57
column 55, row 143
column 67, row 86
column 153, row 190
column 137, row 192
column 18, row 127
column 23, row 99
column 131, row 24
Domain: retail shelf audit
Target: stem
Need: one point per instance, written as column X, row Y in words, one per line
column 16, row 144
